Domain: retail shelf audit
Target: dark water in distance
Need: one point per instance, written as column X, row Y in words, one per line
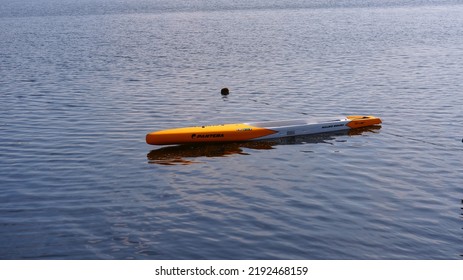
column 82, row 83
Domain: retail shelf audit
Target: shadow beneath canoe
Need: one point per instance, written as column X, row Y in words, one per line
column 185, row 154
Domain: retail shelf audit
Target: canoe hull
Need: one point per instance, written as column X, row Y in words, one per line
column 256, row 130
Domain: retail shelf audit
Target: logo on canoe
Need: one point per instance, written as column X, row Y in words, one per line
column 332, row 125
column 205, row 136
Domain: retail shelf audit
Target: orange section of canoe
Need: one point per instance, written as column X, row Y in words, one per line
column 362, row 121
column 209, row 133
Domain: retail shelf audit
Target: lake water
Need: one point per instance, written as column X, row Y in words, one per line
column 81, row 83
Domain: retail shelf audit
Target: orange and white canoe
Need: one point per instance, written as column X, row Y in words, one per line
column 254, row 131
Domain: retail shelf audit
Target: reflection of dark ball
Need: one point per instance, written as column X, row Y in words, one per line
column 225, row 91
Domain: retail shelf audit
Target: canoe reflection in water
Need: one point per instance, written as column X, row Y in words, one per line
column 185, row 154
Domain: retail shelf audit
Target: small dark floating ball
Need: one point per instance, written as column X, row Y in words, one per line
column 225, row 91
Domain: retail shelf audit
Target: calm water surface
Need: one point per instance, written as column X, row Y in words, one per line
column 81, row 85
